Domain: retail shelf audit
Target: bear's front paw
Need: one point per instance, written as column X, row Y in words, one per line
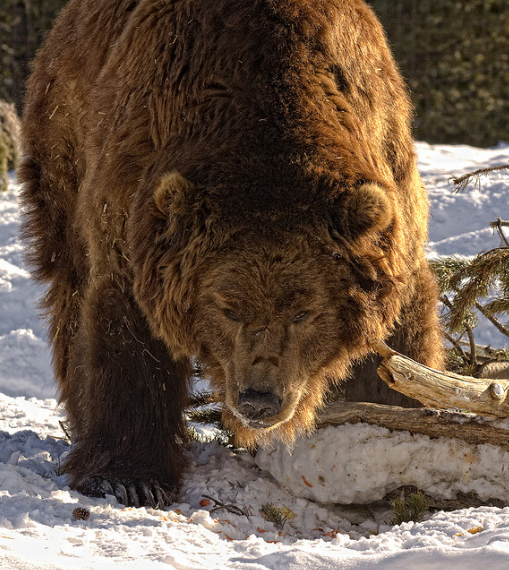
column 129, row 492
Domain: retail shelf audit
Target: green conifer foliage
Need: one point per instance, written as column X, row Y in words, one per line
column 475, row 286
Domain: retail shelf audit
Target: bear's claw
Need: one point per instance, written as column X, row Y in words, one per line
column 131, row 493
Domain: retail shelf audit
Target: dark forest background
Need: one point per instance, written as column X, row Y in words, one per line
column 454, row 55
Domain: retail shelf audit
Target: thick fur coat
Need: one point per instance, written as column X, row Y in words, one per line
column 233, row 181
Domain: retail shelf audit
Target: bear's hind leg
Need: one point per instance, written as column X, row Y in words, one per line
column 125, row 404
column 55, row 251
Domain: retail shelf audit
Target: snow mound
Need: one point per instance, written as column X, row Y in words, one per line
column 362, row 463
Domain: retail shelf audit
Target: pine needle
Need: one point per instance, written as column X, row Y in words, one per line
column 205, row 416
column 274, row 515
column 411, row 508
column 201, row 399
column 475, row 281
column 445, row 268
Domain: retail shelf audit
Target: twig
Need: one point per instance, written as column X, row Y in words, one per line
column 471, row 339
column 63, row 426
column 472, row 358
column 500, row 327
column 457, row 347
column 498, row 225
column 487, row 350
column 463, row 181
column 229, row 507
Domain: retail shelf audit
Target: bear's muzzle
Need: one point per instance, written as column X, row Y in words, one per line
column 258, row 406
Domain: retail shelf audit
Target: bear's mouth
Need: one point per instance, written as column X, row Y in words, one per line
column 253, row 423
column 259, row 407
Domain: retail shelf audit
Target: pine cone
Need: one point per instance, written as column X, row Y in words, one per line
column 81, row 514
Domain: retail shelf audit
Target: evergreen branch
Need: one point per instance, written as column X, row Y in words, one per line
column 475, row 281
column 410, row 508
column 201, row 399
column 484, row 268
column 445, row 268
column 274, row 515
column 207, row 416
column 498, row 306
column 201, row 409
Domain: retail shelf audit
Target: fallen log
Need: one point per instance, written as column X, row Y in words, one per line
column 462, row 407
column 433, row 423
column 443, row 390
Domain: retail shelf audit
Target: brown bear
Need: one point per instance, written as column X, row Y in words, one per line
column 232, row 181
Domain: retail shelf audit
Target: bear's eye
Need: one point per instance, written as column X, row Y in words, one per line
column 299, row 317
column 229, row 314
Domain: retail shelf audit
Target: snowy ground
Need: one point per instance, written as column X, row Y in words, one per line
column 37, row 526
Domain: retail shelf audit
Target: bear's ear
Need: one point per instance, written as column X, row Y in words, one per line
column 172, row 195
column 362, row 210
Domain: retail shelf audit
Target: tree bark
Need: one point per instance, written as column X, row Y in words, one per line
column 433, row 423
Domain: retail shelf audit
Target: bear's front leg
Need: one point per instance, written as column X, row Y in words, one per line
column 125, row 399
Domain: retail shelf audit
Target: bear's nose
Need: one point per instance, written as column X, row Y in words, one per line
column 256, row 405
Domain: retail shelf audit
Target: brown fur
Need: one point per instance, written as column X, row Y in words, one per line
column 9, row 141
column 229, row 180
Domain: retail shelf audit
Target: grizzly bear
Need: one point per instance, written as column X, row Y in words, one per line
column 229, row 181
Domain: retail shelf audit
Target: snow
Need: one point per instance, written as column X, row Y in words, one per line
column 319, row 467
column 218, row 523
column 460, row 221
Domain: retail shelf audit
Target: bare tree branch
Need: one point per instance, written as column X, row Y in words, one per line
column 457, row 347
column 471, row 340
column 443, row 390
column 463, row 181
column 500, row 327
column 498, row 225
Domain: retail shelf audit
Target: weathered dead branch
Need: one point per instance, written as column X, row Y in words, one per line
column 443, row 390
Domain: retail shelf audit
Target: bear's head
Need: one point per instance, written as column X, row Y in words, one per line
column 275, row 309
